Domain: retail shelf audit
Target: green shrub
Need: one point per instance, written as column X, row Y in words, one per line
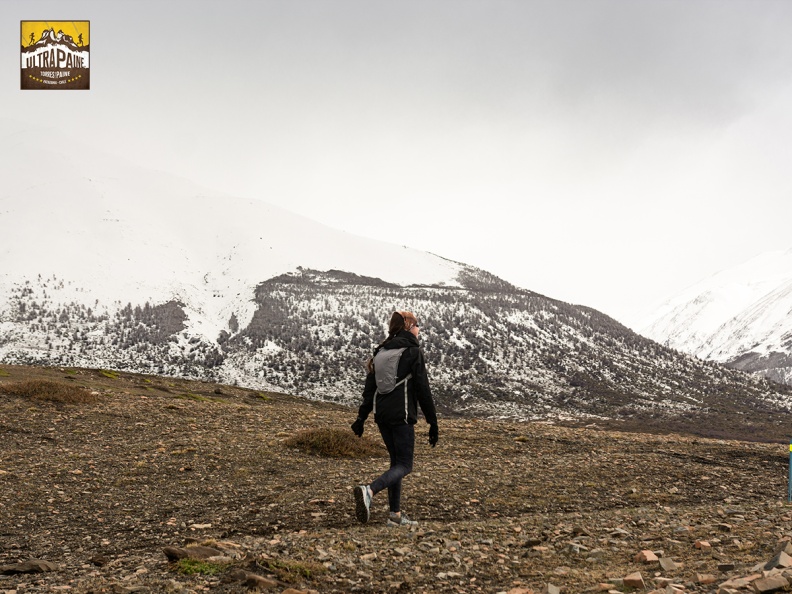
column 334, row 443
column 196, row 566
column 50, row 392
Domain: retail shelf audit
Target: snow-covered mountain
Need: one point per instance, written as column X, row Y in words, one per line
column 108, row 265
column 741, row 317
column 119, row 233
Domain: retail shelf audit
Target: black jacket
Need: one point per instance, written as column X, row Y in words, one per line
column 389, row 409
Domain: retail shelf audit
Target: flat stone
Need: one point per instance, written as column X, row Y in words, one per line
column 259, row 582
column 635, row 580
column 29, row 566
column 742, row 582
column 706, row 578
column 668, row 564
column 781, row 560
column 770, row 584
column 703, row 545
column 646, row 556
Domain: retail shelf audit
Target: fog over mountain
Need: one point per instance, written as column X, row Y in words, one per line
column 106, row 265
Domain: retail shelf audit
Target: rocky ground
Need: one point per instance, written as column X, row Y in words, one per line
column 98, row 493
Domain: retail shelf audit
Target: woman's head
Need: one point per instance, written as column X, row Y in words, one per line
column 403, row 320
column 410, row 321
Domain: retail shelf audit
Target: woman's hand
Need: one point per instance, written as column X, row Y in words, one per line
column 357, row 427
column 433, row 435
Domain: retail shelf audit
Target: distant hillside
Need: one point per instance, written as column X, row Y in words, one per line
column 495, row 353
column 740, row 317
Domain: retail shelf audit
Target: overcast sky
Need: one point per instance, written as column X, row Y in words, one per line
column 606, row 153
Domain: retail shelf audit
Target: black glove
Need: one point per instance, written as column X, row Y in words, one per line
column 357, row 427
column 433, row 434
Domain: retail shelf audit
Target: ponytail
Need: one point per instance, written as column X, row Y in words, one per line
column 395, row 326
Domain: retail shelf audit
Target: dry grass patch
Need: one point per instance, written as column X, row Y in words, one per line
column 50, row 392
column 290, row 570
column 334, row 443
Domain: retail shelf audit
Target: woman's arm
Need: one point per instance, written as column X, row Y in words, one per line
column 422, row 390
column 368, row 397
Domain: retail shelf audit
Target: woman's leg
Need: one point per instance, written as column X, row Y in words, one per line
column 400, row 441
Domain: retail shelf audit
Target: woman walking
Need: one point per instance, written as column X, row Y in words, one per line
column 395, row 385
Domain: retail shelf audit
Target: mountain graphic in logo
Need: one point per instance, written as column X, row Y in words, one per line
column 49, row 37
column 55, row 55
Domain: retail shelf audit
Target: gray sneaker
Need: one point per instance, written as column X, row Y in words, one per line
column 400, row 520
column 362, row 503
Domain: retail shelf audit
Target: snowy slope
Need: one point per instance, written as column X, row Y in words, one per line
column 124, row 233
column 743, row 310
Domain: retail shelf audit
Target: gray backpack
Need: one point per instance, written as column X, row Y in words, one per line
column 386, row 365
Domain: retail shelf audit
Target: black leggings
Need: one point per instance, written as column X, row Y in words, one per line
column 400, row 441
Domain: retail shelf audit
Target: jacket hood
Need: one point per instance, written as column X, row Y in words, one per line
column 403, row 339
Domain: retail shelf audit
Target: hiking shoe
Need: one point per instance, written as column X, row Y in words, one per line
column 362, row 503
column 400, row 520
